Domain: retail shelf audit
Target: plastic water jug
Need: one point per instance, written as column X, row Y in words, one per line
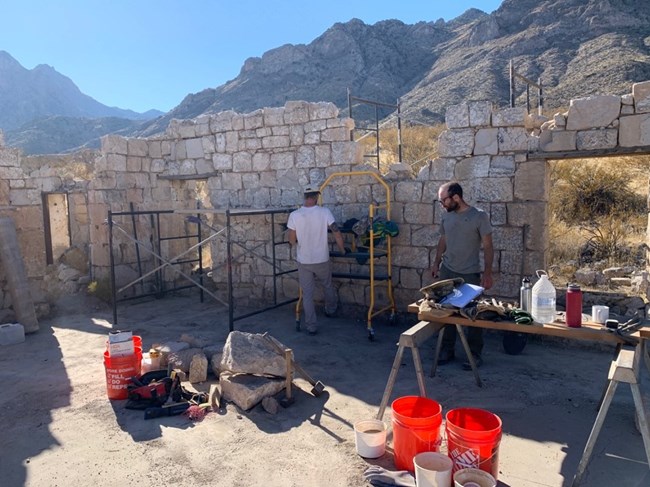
column 544, row 298
column 573, row 306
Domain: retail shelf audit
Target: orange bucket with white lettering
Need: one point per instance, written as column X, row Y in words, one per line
column 119, row 371
column 473, row 438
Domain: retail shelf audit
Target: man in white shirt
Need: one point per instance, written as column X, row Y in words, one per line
column 308, row 227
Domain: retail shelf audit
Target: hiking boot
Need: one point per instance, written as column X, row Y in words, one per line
column 446, row 357
column 312, row 332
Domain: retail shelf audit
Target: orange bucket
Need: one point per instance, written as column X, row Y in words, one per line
column 416, row 428
column 119, row 371
column 473, row 437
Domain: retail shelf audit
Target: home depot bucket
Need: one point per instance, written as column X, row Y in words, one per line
column 473, row 437
column 119, row 371
column 416, row 428
column 370, row 438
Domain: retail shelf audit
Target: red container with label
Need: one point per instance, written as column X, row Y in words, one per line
column 573, row 306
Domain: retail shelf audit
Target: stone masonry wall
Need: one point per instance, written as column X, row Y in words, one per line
column 262, row 160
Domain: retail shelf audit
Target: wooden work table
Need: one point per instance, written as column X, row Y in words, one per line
column 588, row 330
column 624, row 368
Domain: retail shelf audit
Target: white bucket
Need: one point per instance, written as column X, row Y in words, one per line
column 370, row 438
column 473, row 477
column 432, row 469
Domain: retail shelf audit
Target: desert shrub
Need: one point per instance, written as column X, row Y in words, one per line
column 419, row 145
column 598, row 210
column 583, row 192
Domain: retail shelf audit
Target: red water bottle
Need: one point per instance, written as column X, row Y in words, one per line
column 573, row 306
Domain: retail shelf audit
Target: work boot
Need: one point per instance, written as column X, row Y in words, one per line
column 446, row 356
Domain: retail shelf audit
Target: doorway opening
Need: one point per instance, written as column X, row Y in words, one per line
column 56, row 223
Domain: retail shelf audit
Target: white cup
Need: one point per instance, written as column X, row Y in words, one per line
column 370, row 438
column 599, row 313
column 432, row 469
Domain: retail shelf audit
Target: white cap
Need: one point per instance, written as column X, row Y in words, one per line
column 311, row 188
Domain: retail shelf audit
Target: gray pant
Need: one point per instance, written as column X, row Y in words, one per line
column 474, row 334
column 307, row 275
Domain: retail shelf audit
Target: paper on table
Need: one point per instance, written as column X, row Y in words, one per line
column 462, row 295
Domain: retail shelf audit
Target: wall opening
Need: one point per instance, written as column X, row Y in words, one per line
column 598, row 214
column 56, row 217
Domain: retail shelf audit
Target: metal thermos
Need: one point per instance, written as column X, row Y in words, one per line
column 573, row 306
column 525, row 294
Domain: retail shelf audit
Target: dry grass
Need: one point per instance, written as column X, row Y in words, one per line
column 598, row 211
column 419, row 145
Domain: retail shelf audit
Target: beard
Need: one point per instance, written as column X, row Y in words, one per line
column 453, row 206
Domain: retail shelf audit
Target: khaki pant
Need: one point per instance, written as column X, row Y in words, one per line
column 307, row 275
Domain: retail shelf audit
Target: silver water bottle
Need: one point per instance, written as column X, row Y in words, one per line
column 526, row 295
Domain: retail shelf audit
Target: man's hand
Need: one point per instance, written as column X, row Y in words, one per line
column 486, row 280
column 435, row 270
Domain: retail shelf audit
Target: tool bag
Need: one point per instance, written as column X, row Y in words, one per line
column 435, row 292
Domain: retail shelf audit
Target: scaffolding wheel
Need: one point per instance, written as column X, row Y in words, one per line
column 371, row 334
column 297, row 325
column 392, row 319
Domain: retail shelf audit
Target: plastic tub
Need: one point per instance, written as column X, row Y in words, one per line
column 416, row 428
column 473, row 477
column 370, row 438
column 473, row 437
column 432, row 469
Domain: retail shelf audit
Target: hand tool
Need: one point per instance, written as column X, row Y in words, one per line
column 288, row 399
column 317, row 386
column 167, row 410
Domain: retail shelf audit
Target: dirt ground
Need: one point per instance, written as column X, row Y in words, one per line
column 59, row 429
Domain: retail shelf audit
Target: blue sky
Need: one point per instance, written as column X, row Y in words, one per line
column 143, row 54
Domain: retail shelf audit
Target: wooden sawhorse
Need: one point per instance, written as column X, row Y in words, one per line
column 413, row 338
column 624, row 369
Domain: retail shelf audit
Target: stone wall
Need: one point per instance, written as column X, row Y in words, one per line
column 262, row 160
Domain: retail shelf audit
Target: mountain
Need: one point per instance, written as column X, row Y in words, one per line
column 32, row 102
column 576, row 47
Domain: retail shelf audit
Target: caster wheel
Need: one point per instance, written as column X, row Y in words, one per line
column 371, row 335
column 514, row 343
column 297, row 325
column 392, row 320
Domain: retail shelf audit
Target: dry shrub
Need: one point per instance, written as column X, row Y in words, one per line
column 419, row 145
column 598, row 210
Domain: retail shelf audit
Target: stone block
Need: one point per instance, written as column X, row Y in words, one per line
column 634, row 130
column 276, row 142
column 115, row 162
column 408, row 192
column 222, row 122
column 246, row 390
column 491, row 189
column 472, row 167
column 114, row 144
column 296, row 134
column 279, row 130
column 507, row 238
column 273, row 116
column 502, row 165
column 198, row 368
column 486, row 141
column 254, row 120
column 194, row 148
column 419, row 213
column 296, row 112
column 232, row 141
column 456, row 143
column 512, row 139
column 409, row 256
column 282, row 160
column 509, row 117
column 480, row 113
column 596, row 139
column 557, row 140
column 315, row 126
column 641, row 95
column 322, row 110
column 457, row 116
column 231, row 181
column 531, row 181
column 187, row 129
column 250, row 353
column 627, row 110
column 627, row 99
column 411, row 278
column 593, row 112
column 305, row 156
column 261, row 161
column 133, row 164
column 242, row 162
column 498, row 214
column 335, row 135
column 423, row 236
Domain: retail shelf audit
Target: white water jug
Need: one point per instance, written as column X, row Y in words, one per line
column 544, row 298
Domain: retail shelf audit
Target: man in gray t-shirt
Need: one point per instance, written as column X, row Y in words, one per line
column 464, row 229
